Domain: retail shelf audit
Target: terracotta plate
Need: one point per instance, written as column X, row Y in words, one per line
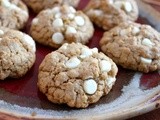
column 133, row 94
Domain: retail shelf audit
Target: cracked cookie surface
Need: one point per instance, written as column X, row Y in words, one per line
column 109, row 13
column 13, row 14
column 39, row 5
column 76, row 75
column 17, row 53
column 133, row 46
column 62, row 24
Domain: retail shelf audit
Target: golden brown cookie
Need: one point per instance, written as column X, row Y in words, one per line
column 133, row 46
column 39, row 5
column 76, row 75
column 17, row 53
column 109, row 13
column 62, row 24
column 13, row 14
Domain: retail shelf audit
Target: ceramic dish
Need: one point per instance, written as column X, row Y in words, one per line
column 133, row 94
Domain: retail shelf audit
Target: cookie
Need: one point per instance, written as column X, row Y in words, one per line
column 39, row 5
column 76, row 75
column 17, row 53
column 109, row 13
column 62, row 24
column 13, row 14
column 133, row 46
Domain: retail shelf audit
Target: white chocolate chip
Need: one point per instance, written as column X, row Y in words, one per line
column 35, row 21
column 71, row 16
column 73, row 63
column 127, row 6
column 94, row 50
column 72, row 9
column 97, row 12
column 1, row 32
column 64, row 46
column 90, row 86
column 58, row 38
column 56, row 10
column 58, row 15
column 135, row 30
column 105, row 66
column 30, row 41
column 0, row 39
column 147, row 42
column 5, row 3
column 57, row 22
column 110, row 81
column 79, row 20
column 110, row 1
column 86, row 52
column 146, row 60
column 71, row 30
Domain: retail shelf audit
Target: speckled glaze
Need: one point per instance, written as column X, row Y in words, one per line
column 132, row 95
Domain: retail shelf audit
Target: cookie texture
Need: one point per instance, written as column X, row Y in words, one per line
column 109, row 13
column 133, row 46
column 17, row 53
column 13, row 14
column 62, row 24
column 76, row 75
column 39, row 5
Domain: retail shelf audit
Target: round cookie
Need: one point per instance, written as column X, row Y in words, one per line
column 17, row 53
column 109, row 13
column 133, row 46
column 39, row 5
column 62, row 24
column 13, row 14
column 76, row 75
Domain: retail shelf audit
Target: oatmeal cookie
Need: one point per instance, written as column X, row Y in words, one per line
column 17, row 53
column 133, row 46
column 39, row 5
column 62, row 24
column 109, row 13
column 76, row 75
column 13, row 14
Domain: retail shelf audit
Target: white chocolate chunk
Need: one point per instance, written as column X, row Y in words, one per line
column 58, row 38
column 35, row 21
column 127, row 6
column 110, row 81
column 73, row 63
column 30, row 41
column 123, row 32
column 71, row 16
column 71, row 30
column 97, row 12
column 147, row 42
column 58, row 15
column 90, row 86
column 135, row 30
column 0, row 39
column 105, row 66
column 85, row 52
column 72, row 9
column 79, row 20
column 57, row 22
column 146, row 60
column 118, row 4
column 1, row 32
